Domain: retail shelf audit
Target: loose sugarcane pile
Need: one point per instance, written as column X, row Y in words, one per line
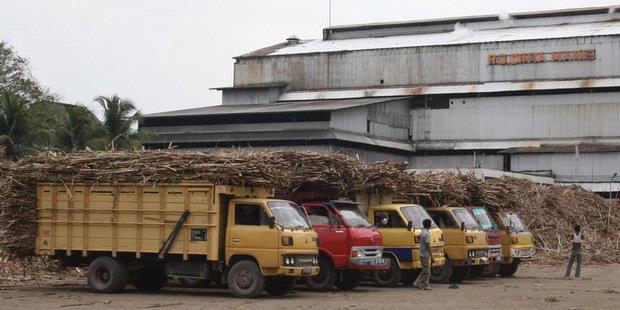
column 549, row 211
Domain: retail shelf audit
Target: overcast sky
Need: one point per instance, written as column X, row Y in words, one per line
column 165, row 55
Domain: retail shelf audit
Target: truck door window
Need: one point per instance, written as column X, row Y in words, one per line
column 318, row 215
column 393, row 219
column 444, row 220
column 247, row 214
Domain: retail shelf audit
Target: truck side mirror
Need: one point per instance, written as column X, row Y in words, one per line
column 462, row 226
column 272, row 222
column 410, row 225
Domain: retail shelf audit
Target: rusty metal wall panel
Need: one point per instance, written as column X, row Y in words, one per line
column 428, row 65
column 585, row 167
column 521, row 117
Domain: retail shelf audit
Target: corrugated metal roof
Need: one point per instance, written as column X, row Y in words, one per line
column 297, row 106
column 461, row 35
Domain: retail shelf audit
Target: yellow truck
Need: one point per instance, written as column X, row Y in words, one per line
column 401, row 225
column 466, row 245
column 517, row 242
column 141, row 235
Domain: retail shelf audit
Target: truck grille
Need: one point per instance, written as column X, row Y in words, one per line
column 477, row 253
column 368, row 252
column 495, row 251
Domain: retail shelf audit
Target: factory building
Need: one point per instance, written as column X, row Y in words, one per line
column 535, row 93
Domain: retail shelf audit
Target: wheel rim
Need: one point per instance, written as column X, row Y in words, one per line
column 244, row 279
column 103, row 275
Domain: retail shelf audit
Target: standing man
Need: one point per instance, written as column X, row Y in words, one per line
column 575, row 254
column 426, row 257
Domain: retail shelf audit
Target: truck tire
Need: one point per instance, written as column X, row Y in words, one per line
column 491, row 271
column 279, row 286
column 508, row 270
column 459, row 274
column 149, row 279
column 349, row 279
column 107, row 275
column 475, row 272
column 326, row 278
column 245, row 279
column 390, row 277
column 443, row 273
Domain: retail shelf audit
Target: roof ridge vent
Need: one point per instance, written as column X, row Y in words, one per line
column 292, row 40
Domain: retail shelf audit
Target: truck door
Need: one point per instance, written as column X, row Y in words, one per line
column 332, row 234
column 396, row 238
column 453, row 236
column 249, row 234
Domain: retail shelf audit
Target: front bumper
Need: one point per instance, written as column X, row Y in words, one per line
column 522, row 252
column 298, row 271
column 369, row 263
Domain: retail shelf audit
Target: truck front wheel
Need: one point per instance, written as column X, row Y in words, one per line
column 107, row 275
column 149, row 279
column 324, row 281
column 245, row 279
column 279, row 286
column 508, row 270
column 349, row 279
column 390, row 277
column 442, row 273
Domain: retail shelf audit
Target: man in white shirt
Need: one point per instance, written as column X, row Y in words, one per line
column 575, row 254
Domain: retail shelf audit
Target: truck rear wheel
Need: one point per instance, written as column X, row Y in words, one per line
column 107, row 275
column 508, row 270
column 390, row 277
column 279, row 286
column 475, row 272
column 443, row 273
column 245, row 279
column 149, row 279
column 349, row 279
column 326, row 278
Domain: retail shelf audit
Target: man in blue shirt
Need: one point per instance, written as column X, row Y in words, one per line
column 426, row 257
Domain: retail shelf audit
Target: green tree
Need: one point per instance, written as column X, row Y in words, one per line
column 119, row 116
column 16, row 123
column 78, row 128
column 16, row 77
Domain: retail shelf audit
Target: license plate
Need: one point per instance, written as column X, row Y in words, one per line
column 306, row 271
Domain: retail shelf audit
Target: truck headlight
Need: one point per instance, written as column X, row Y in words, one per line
column 470, row 239
column 315, row 260
column 514, row 240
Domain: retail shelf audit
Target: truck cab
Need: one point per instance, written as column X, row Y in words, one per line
column 494, row 240
column 349, row 244
column 401, row 226
column 277, row 235
column 517, row 242
column 466, row 245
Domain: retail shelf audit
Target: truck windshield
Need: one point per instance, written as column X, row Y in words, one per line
column 513, row 221
column 352, row 215
column 485, row 221
column 288, row 214
column 417, row 214
column 463, row 216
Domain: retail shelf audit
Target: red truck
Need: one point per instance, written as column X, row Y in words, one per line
column 494, row 240
column 348, row 244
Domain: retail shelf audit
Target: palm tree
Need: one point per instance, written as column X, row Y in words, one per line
column 15, row 123
column 78, row 127
column 119, row 115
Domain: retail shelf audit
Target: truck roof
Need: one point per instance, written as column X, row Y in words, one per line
column 393, row 206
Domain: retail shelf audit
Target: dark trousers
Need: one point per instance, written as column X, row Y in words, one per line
column 574, row 256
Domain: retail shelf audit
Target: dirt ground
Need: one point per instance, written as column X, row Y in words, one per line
column 534, row 287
